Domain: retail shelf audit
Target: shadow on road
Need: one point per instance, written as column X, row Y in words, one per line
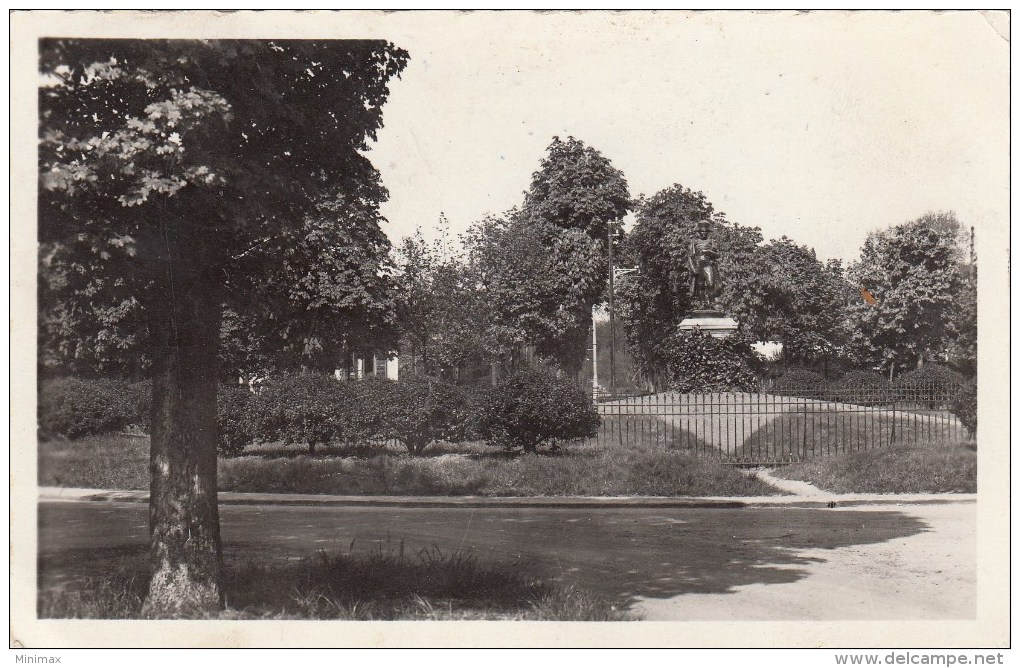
column 620, row 554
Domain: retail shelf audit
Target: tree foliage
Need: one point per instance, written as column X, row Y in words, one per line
column 964, row 405
column 784, row 293
column 577, row 188
column 656, row 299
column 962, row 353
column 912, row 272
column 186, row 175
column 268, row 181
column 542, row 267
column 529, row 300
column 443, row 317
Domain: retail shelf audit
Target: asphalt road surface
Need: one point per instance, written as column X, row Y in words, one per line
column 868, row 562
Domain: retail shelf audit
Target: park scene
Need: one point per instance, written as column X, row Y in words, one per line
column 265, row 391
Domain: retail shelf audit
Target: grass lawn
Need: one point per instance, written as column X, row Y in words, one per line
column 813, row 433
column 645, row 466
column 103, row 462
column 917, row 468
column 426, row 585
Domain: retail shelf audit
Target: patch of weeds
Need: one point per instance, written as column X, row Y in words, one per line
column 427, row 584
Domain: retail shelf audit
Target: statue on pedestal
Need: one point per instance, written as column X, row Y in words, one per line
column 702, row 256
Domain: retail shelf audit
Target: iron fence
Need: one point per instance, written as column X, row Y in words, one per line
column 776, row 425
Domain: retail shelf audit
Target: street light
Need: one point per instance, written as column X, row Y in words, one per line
column 613, row 275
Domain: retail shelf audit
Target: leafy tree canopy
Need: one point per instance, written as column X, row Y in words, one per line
column 914, row 275
column 655, row 299
column 786, row 294
column 442, row 314
column 240, row 160
column 577, row 188
column 545, row 265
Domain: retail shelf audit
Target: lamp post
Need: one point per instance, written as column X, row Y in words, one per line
column 614, row 273
column 594, row 357
column 612, row 321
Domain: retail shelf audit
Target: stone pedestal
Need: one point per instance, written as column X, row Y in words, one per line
column 710, row 321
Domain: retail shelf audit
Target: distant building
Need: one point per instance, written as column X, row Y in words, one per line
column 770, row 350
column 374, row 363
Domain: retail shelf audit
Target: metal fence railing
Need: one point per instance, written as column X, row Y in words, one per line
column 777, row 425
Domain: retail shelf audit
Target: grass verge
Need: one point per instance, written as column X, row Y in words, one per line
column 643, row 469
column 383, row 585
column 923, row 468
column 818, row 432
column 103, row 462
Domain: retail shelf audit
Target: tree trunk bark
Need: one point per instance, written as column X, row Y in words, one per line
column 183, row 514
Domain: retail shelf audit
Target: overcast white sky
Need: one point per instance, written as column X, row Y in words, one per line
column 818, row 126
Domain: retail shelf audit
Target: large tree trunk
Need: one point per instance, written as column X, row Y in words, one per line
column 183, row 513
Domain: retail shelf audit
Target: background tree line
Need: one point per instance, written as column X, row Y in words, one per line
column 520, row 286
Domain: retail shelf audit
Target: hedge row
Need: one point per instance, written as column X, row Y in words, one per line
column 75, row 407
column 527, row 409
column 932, row 386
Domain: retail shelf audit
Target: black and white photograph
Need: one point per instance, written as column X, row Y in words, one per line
column 666, row 322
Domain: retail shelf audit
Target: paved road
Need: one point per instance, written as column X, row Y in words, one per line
column 869, row 562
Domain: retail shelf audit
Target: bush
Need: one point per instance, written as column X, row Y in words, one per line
column 531, row 407
column 310, row 408
column 416, row 410
column 928, row 375
column 138, row 403
column 75, row 407
column 933, row 386
column 699, row 362
column 964, row 405
column 800, row 383
column 234, row 418
column 861, row 387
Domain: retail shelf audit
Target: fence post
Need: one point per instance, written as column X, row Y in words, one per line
column 892, row 437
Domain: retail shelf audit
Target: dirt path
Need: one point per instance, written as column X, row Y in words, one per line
column 796, row 487
column 926, row 575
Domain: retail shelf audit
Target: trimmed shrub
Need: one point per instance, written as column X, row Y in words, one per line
column 234, row 418
column 370, row 401
column 861, row 387
column 699, row 362
column 531, row 407
column 929, row 374
column 138, row 404
column 75, row 407
column 932, row 386
column 964, row 405
column 310, row 408
column 800, row 383
column 416, row 410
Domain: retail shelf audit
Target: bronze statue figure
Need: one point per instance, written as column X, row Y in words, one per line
column 701, row 259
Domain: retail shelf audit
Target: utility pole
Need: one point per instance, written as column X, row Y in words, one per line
column 613, row 273
column 612, row 315
column 594, row 357
column 973, row 255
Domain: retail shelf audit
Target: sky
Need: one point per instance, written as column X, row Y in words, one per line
column 817, row 126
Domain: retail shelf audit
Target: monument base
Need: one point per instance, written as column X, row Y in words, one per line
column 710, row 321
